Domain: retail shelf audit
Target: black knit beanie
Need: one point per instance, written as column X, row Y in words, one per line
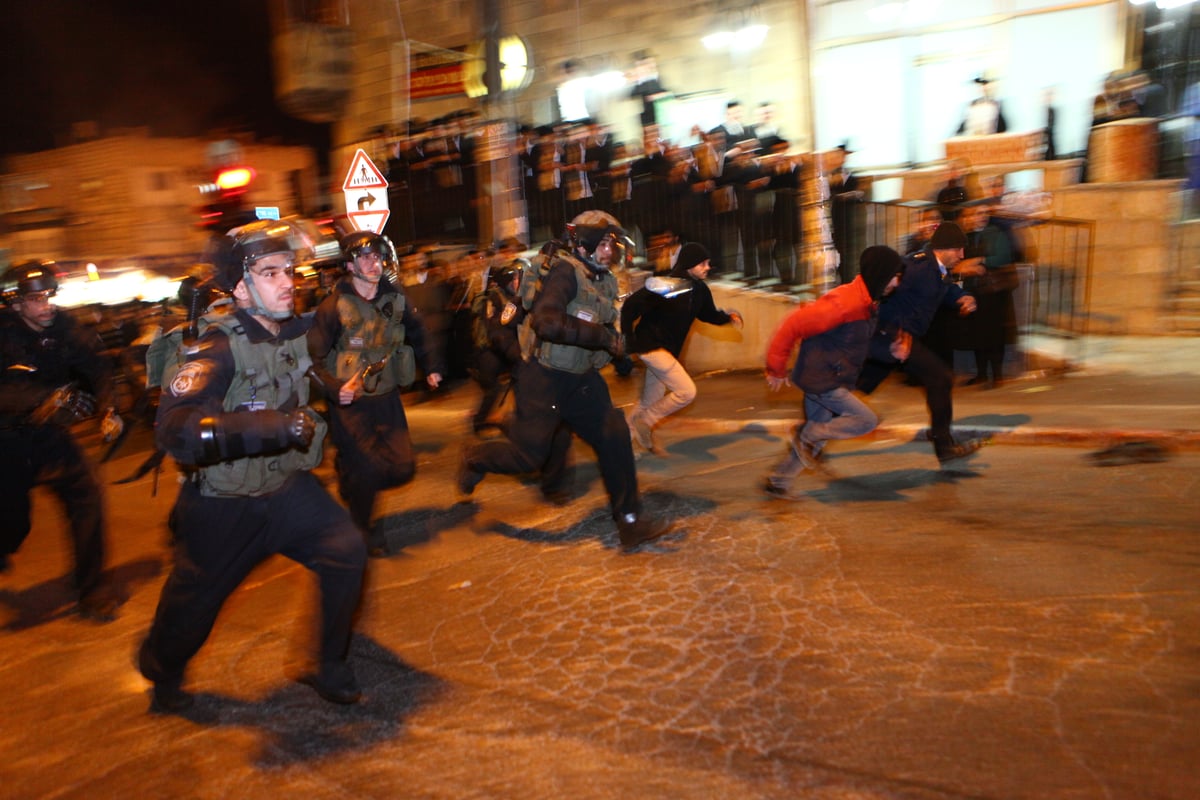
column 878, row 265
column 690, row 255
column 948, row 236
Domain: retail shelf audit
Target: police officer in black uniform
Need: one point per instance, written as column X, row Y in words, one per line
column 573, row 316
column 43, row 356
column 363, row 342
column 236, row 419
column 498, row 316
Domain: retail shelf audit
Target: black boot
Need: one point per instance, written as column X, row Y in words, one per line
column 99, row 605
column 335, row 683
column 169, row 697
column 468, row 476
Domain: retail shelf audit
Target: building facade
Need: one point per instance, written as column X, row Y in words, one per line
column 133, row 196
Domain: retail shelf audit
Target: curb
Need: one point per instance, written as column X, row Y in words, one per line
column 1031, row 435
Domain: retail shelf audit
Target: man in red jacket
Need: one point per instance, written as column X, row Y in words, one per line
column 834, row 332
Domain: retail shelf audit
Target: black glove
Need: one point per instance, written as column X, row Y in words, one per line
column 230, row 436
column 66, row 405
column 616, row 345
column 300, row 429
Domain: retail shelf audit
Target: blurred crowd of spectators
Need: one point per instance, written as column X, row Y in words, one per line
column 734, row 189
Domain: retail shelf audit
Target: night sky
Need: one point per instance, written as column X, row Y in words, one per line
column 179, row 68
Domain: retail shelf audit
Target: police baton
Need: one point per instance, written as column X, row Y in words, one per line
column 152, row 463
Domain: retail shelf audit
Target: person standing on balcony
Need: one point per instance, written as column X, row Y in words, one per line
column 984, row 115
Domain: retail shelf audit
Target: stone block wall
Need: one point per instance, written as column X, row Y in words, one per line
column 724, row 347
column 1131, row 258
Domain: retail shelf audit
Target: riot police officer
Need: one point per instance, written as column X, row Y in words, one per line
column 498, row 315
column 43, row 357
column 573, row 316
column 364, row 342
column 236, row 419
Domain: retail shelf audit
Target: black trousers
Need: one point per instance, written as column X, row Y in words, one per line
column 490, row 368
column 374, row 451
column 550, row 405
column 47, row 454
column 219, row 540
column 935, row 377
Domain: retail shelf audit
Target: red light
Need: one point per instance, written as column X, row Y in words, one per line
column 234, row 178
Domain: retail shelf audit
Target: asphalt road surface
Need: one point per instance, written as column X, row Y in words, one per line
column 1025, row 626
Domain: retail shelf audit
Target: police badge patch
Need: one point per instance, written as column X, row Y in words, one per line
column 191, row 378
column 508, row 313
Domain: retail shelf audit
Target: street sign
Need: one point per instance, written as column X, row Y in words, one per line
column 365, row 190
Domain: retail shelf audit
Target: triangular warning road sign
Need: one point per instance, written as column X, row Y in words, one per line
column 369, row 220
column 363, row 174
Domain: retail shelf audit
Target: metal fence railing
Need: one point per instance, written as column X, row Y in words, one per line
column 767, row 235
column 1056, row 253
column 1055, row 266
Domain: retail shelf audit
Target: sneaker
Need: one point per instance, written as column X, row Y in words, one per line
column 643, row 434
column 774, row 489
column 468, row 476
column 809, row 454
column 335, row 683
column 634, row 530
column 169, row 697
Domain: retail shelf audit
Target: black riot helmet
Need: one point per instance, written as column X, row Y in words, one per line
column 28, row 278
column 590, row 228
column 363, row 242
column 503, row 277
column 234, row 253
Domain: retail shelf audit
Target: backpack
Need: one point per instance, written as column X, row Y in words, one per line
column 533, row 270
column 169, row 351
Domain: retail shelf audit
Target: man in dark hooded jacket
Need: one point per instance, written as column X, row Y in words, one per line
column 656, row 320
column 928, row 284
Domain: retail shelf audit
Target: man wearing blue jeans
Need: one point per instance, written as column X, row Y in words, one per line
column 834, row 332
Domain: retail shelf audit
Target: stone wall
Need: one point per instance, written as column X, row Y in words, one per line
column 723, row 347
column 1131, row 274
column 1131, row 261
